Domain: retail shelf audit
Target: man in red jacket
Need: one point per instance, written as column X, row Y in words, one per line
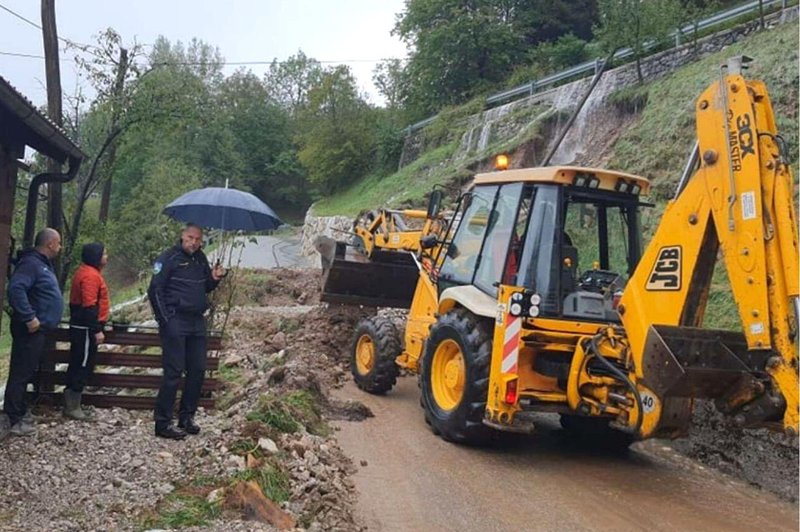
column 89, row 309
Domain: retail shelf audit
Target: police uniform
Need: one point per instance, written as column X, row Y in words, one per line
column 177, row 294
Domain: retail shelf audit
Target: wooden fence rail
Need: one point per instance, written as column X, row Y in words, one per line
column 109, row 382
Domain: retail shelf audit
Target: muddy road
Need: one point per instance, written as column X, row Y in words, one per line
column 409, row 479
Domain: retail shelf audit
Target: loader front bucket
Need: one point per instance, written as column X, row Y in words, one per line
column 387, row 279
column 700, row 363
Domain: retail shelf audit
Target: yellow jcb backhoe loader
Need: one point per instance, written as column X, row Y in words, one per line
column 535, row 294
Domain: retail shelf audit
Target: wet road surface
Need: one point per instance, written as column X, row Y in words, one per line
column 413, row 480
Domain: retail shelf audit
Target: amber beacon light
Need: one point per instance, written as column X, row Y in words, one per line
column 501, row 162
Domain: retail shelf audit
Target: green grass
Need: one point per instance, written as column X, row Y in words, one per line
column 289, row 413
column 231, row 374
column 183, row 509
column 270, row 478
column 657, row 145
column 408, row 186
column 126, row 293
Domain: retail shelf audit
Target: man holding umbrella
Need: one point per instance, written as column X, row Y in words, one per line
column 181, row 279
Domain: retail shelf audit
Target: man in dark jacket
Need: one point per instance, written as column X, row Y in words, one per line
column 37, row 306
column 181, row 279
column 88, row 313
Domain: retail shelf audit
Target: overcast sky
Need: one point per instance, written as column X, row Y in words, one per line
column 355, row 32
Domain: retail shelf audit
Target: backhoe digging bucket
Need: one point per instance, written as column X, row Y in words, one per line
column 702, row 363
column 388, row 279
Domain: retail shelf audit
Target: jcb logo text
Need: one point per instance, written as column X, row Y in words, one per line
column 666, row 274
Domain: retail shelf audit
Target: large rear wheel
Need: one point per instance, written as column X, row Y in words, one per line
column 375, row 347
column 455, row 377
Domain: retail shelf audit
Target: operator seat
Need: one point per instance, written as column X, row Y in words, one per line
column 569, row 273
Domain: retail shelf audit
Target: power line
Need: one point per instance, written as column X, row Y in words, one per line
column 38, row 27
column 179, row 63
column 221, row 63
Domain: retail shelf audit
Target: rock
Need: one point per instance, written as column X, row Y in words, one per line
column 233, row 359
column 279, row 340
column 302, row 298
column 276, row 375
column 363, row 463
column 216, row 496
column 164, row 488
column 236, row 462
column 164, row 455
column 267, row 445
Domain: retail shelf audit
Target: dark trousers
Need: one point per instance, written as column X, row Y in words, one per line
column 82, row 356
column 27, row 350
column 183, row 350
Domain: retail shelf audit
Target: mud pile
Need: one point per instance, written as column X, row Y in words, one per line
column 765, row 459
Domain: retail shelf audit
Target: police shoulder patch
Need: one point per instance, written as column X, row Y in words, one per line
column 157, row 267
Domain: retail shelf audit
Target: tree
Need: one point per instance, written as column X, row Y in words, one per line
column 288, row 82
column 636, row 24
column 336, row 132
column 111, row 69
column 543, row 21
column 261, row 131
column 141, row 231
column 389, row 77
column 457, row 49
column 461, row 48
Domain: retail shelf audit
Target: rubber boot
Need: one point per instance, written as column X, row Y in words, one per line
column 72, row 405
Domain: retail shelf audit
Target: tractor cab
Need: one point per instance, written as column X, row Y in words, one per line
column 568, row 234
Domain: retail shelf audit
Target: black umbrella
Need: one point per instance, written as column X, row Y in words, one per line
column 223, row 208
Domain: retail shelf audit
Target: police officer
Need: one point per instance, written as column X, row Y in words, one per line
column 181, row 279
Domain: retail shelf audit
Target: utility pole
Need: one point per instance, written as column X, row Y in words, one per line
column 54, row 111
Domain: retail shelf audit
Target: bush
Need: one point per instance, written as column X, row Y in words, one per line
column 565, row 52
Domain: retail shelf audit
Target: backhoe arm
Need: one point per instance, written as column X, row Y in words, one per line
column 739, row 201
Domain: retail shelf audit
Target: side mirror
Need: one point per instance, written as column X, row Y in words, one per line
column 434, row 203
column 428, row 241
column 452, row 251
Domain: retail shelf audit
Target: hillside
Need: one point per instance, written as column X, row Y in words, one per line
column 649, row 129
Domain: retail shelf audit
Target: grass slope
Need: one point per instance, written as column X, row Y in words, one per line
column 656, row 145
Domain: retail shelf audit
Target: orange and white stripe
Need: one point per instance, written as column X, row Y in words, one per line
column 511, row 344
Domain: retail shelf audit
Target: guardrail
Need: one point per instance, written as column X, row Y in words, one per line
column 591, row 67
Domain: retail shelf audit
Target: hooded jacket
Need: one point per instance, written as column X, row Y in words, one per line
column 88, row 297
column 33, row 290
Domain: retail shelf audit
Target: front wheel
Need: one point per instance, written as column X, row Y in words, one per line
column 375, row 347
column 455, row 377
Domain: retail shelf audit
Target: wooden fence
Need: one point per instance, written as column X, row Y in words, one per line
column 110, row 355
